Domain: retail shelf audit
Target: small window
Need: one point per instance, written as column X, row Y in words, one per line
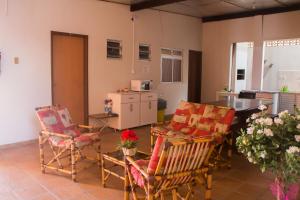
column 114, row 49
column 171, row 65
column 240, row 74
column 144, row 52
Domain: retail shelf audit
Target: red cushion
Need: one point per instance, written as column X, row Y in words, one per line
column 155, row 155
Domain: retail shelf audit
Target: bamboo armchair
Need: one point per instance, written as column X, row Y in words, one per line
column 67, row 141
column 174, row 163
column 192, row 120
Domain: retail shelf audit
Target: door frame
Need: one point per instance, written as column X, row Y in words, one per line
column 85, row 71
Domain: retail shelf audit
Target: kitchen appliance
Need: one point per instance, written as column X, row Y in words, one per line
column 141, row 85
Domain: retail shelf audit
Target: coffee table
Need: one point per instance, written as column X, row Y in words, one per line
column 113, row 161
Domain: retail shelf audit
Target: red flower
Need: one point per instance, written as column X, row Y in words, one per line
column 129, row 135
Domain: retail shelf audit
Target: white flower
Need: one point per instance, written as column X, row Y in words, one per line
column 297, row 138
column 263, row 154
column 260, row 131
column 250, row 130
column 250, row 160
column 254, row 116
column 249, row 154
column 268, row 121
column 278, row 121
column 248, row 120
column 298, row 126
column 259, row 121
column 293, row 149
column 262, row 107
column 268, row 132
column 283, row 113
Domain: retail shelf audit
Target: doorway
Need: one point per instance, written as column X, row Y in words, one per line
column 195, row 76
column 69, row 73
column 241, row 67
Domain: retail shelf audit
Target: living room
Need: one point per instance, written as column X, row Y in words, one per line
column 115, row 36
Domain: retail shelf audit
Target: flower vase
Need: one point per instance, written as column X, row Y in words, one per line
column 129, row 152
column 278, row 191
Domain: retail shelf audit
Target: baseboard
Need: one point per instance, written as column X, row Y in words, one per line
column 18, row 144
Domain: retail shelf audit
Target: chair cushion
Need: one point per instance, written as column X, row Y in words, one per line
column 80, row 141
column 158, row 148
column 50, row 120
column 65, row 118
column 138, row 177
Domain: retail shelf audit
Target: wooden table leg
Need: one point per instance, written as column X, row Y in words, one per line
column 102, row 170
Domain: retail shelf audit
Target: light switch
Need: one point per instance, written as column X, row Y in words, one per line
column 16, row 60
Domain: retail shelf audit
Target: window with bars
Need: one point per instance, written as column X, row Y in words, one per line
column 144, row 52
column 114, row 49
column 171, row 65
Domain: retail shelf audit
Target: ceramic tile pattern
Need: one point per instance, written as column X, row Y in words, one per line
column 21, row 178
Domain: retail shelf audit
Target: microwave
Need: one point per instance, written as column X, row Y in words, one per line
column 141, row 85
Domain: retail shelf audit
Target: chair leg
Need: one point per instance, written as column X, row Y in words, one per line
column 42, row 157
column 98, row 149
column 73, row 163
column 208, row 185
column 103, row 172
column 150, row 195
column 174, row 194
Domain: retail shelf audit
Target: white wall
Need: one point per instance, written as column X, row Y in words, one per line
column 219, row 36
column 282, row 58
column 25, row 33
column 244, row 57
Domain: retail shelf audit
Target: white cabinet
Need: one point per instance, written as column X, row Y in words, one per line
column 148, row 108
column 129, row 115
column 134, row 109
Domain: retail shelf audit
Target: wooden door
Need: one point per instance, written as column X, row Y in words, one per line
column 195, row 73
column 70, row 74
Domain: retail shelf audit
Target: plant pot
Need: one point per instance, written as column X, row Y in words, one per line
column 129, row 152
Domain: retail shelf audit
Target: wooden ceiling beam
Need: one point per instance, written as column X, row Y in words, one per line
column 151, row 3
column 252, row 13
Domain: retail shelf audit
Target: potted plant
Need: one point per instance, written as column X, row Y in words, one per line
column 274, row 145
column 129, row 142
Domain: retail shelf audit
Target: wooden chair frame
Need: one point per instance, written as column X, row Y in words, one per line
column 69, row 151
column 217, row 158
column 179, row 171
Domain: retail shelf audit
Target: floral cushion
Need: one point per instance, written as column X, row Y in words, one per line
column 80, row 141
column 50, row 120
column 198, row 120
column 136, row 174
column 65, row 117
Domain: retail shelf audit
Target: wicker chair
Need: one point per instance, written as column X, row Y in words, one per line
column 174, row 163
column 67, row 141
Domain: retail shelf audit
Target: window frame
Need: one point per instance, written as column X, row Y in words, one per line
column 120, row 49
column 173, row 58
column 149, row 52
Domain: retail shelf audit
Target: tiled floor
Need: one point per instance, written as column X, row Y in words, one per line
column 21, row 179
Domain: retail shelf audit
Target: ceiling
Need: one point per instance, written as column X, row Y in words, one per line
column 208, row 8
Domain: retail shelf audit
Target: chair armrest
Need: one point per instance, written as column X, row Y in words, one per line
column 56, row 134
column 85, row 126
column 161, row 123
column 133, row 163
